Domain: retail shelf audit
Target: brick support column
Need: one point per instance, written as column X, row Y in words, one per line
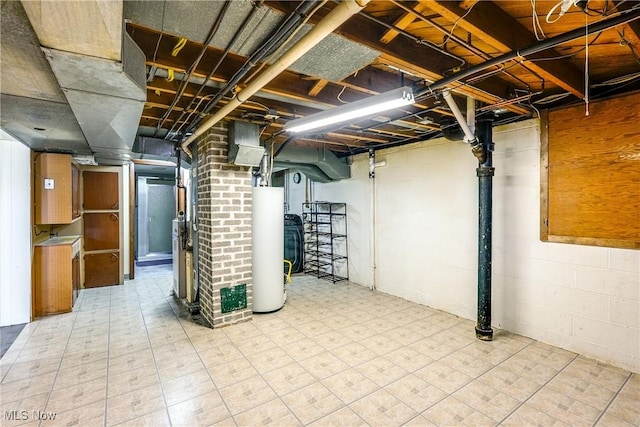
column 224, row 234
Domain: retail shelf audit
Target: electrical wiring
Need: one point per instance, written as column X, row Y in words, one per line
column 552, row 98
column 536, row 23
column 340, row 94
column 281, row 46
column 418, row 40
column 619, row 80
column 455, row 24
column 178, row 47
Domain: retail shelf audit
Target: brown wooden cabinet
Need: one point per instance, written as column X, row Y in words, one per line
column 75, row 192
column 56, row 276
column 101, row 231
column 101, row 213
column 53, row 188
column 100, row 191
column 101, row 269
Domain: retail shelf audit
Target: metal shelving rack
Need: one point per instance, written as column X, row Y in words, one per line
column 325, row 240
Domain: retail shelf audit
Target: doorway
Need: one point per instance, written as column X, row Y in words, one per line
column 155, row 211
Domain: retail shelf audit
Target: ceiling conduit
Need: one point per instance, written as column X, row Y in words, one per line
column 333, row 20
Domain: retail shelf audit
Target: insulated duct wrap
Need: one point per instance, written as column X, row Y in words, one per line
column 267, row 230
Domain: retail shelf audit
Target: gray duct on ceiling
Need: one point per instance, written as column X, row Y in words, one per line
column 107, row 97
column 332, row 167
column 154, row 146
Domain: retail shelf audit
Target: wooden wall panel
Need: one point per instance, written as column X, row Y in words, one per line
column 593, row 186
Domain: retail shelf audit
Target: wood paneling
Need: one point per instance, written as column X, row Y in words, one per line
column 594, row 173
column 101, row 231
column 102, row 269
column 100, row 190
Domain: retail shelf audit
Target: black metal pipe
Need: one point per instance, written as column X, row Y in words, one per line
column 485, row 172
column 623, row 18
column 290, row 24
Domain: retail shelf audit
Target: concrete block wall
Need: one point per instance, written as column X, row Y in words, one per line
column 581, row 298
column 224, row 221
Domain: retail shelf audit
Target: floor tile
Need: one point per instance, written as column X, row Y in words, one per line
column 135, row 379
column 452, row 412
column 273, row 413
column 288, row 378
column 527, row 415
column 312, row 402
column 87, row 415
column 323, row 365
column 350, row 385
column 247, row 394
column 343, row 417
column 27, row 387
column 135, row 404
column 487, row 400
column 80, row 374
column 66, row 399
column 415, row 392
column 203, row 410
column 232, row 372
column 154, row 419
column 381, row 408
column 334, row 355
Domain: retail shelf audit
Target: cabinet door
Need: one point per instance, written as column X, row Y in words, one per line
column 75, row 192
column 100, row 190
column 101, row 269
column 101, row 231
column 53, row 279
column 52, row 193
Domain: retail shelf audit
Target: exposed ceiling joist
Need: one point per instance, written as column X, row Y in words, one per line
column 508, row 36
column 403, row 22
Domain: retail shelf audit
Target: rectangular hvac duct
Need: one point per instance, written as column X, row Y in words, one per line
column 244, row 144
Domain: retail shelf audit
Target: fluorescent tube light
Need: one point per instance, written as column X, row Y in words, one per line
column 364, row 107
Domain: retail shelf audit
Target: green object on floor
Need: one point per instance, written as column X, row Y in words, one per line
column 233, row 298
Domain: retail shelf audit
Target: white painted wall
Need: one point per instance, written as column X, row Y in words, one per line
column 15, row 232
column 585, row 299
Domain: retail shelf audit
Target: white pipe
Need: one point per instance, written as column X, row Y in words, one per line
column 469, row 136
column 322, row 29
column 471, row 114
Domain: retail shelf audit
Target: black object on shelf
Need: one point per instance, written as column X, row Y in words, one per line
column 294, row 242
column 325, row 240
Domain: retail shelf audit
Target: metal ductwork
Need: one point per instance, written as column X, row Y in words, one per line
column 100, row 69
column 318, row 164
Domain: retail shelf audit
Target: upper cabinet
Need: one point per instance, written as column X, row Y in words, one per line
column 56, row 190
column 100, row 191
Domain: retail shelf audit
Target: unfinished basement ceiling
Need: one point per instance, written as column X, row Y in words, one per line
column 387, row 45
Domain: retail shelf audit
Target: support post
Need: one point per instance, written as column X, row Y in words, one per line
column 485, row 172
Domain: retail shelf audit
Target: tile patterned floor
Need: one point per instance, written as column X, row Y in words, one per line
column 335, row 355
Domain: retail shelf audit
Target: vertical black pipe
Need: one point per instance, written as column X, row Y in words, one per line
column 485, row 172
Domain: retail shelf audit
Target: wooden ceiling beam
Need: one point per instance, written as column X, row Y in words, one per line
column 497, row 28
column 320, row 84
column 633, row 28
column 401, row 23
column 420, row 60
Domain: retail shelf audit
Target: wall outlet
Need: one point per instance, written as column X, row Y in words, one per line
column 49, row 184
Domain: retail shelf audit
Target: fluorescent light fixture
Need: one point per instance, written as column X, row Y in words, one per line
column 364, row 107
